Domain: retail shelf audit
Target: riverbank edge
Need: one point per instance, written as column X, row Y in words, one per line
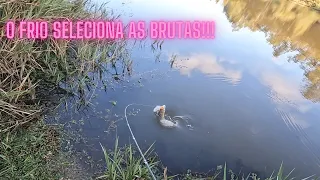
column 32, row 74
column 34, row 143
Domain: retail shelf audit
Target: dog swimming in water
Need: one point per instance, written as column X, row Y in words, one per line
column 160, row 111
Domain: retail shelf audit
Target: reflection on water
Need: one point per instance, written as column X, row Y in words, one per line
column 288, row 27
column 263, row 118
column 288, row 99
column 208, row 65
column 285, row 90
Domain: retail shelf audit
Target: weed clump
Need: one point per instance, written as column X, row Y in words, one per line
column 30, row 70
column 124, row 163
column 33, row 71
column 29, row 153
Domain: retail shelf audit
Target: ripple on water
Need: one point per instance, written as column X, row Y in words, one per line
column 296, row 128
column 223, row 78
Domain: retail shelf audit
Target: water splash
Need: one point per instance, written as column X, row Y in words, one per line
column 185, row 120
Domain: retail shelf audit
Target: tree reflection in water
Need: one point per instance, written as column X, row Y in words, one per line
column 289, row 27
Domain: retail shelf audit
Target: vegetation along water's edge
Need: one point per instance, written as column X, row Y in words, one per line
column 34, row 78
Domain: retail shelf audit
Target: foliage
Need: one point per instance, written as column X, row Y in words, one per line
column 29, row 153
column 29, row 66
column 123, row 163
column 289, row 27
column 32, row 72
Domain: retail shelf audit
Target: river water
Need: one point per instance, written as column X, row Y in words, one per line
column 247, row 99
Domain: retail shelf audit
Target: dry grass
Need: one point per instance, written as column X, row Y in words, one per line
column 26, row 66
column 310, row 3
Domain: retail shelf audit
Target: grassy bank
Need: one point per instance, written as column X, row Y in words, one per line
column 124, row 163
column 29, row 153
column 34, row 74
column 31, row 69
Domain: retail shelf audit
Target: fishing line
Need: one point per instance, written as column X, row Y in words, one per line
column 134, row 139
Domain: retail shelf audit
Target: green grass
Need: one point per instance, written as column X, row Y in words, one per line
column 29, row 66
column 124, row 163
column 32, row 71
column 29, row 153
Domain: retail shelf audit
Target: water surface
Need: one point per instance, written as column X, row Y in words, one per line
column 250, row 106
